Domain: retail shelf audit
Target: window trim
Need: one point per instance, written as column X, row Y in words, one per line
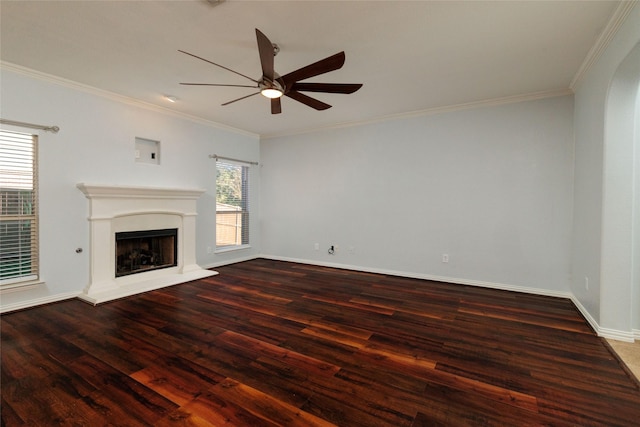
column 245, row 211
column 34, row 276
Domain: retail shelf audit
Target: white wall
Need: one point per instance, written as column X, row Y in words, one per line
column 618, row 196
column 602, row 248
column 587, row 199
column 490, row 187
column 96, row 145
column 636, row 221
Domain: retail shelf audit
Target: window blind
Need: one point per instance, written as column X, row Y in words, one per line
column 232, row 204
column 18, row 207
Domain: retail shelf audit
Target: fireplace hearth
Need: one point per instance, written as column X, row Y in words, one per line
column 142, row 251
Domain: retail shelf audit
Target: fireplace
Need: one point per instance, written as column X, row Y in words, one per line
column 141, row 239
column 142, row 251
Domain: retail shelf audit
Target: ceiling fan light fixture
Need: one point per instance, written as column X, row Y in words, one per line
column 271, row 89
column 271, row 92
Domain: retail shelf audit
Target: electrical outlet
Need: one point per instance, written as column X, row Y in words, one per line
column 586, row 282
column 445, row 258
column 209, row 250
column 316, row 246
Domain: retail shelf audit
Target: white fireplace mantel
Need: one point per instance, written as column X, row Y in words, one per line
column 115, row 209
column 124, row 192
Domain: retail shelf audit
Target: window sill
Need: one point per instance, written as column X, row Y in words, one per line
column 20, row 286
column 225, row 249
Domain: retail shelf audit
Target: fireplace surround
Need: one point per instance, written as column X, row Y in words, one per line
column 124, row 209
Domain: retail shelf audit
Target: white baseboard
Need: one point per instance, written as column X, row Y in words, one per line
column 454, row 280
column 592, row 322
column 232, row 261
column 614, row 334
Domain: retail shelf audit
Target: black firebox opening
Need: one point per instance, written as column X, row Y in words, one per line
column 142, row 251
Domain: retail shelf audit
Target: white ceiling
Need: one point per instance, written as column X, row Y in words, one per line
column 410, row 55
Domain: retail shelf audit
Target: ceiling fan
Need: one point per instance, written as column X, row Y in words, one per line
column 274, row 86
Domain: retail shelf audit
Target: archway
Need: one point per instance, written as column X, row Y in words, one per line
column 620, row 262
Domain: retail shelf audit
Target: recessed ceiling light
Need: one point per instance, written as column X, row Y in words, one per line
column 170, row 98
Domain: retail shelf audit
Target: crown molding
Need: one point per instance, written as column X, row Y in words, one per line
column 118, row 98
column 417, row 113
column 431, row 111
column 604, row 39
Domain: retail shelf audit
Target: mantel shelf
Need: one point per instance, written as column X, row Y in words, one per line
column 97, row 191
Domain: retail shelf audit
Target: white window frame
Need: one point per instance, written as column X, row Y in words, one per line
column 241, row 238
column 27, row 179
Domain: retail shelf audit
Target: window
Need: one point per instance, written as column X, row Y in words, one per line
column 232, row 204
column 18, row 208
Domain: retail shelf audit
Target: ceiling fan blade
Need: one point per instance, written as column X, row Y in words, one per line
column 238, row 99
column 307, row 100
column 325, row 65
column 218, row 65
column 276, row 106
column 327, row 87
column 215, row 84
column 265, row 48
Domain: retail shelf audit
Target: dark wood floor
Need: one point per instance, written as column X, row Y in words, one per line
column 270, row 343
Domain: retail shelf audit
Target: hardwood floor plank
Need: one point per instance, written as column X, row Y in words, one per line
column 124, row 353
column 326, row 324
column 93, row 370
column 140, row 403
column 12, row 336
column 333, row 352
column 177, row 379
column 183, row 418
column 264, row 406
column 221, row 412
column 352, row 305
column 273, row 343
column 26, row 362
column 261, row 349
column 9, row 416
column 330, row 398
column 335, row 336
column 35, row 401
column 446, row 406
